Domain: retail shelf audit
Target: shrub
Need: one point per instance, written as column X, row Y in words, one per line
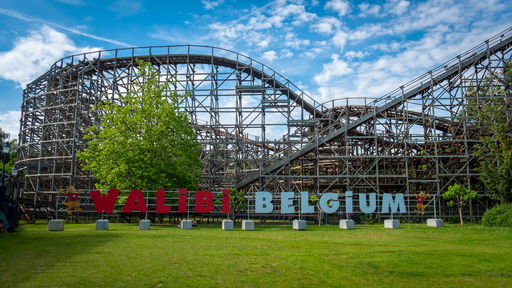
column 499, row 215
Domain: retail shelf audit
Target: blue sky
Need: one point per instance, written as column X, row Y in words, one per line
column 330, row 49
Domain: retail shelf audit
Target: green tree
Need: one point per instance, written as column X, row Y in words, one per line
column 145, row 142
column 3, row 136
column 490, row 109
column 238, row 202
column 315, row 200
column 459, row 195
column 495, row 154
column 8, row 158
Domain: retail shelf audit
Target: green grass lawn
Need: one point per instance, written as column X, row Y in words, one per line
column 271, row 256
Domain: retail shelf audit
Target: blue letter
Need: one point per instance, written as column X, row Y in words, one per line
column 329, row 202
column 363, row 204
column 304, row 203
column 348, row 202
column 397, row 204
column 287, row 202
column 263, row 202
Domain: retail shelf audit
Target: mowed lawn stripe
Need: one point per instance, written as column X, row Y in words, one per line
column 271, row 256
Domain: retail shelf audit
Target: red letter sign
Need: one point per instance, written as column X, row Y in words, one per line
column 104, row 202
column 160, row 202
column 226, row 201
column 182, row 201
column 204, row 203
column 135, row 201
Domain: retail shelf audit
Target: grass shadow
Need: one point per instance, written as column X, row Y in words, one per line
column 34, row 252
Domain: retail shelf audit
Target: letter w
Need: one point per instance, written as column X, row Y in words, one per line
column 104, row 202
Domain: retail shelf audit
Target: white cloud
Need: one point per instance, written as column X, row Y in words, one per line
column 333, row 69
column 34, row 54
column 341, row 7
column 404, row 61
column 340, row 39
column 397, row 7
column 326, row 25
column 286, row 53
column 269, row 55
column 10, row 123
column 211, row 4
column 425, row 15
column 291, row 40
column 263, row 43
column 369, row 9
column 356, row 54
column 277, row 25
column 389, row 46
column 296, row 12
column 308, row 54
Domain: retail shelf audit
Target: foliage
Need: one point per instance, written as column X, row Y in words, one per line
column 489, row 109
column 459, row 196
column 8, row 158
column 4, row 136
column 495, row 156
column 238, row 200
column 145, row 142
column 314, row 199
column 499, row 215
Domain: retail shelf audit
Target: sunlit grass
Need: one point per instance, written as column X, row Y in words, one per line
column 271, row 256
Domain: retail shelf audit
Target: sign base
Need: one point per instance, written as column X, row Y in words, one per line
column 347, row 224
column 145, row 224
column 227, row 224
column 102, row 224
column 56, row 225
column 247, row 225
column 391, row 224
column 435, row 222
column 186, row 224
column 300, row 224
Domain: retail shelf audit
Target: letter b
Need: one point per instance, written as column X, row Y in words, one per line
column 264, row 202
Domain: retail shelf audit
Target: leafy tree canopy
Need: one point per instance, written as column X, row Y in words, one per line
column 490, row 109
column 144, row 141
column 10, row 157
column 459, row 195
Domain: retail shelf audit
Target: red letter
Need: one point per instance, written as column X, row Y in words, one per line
column 182, row 201
column 226, row 201
column 160, row 202
column 204, row 203
column 135, row 201
column 104, row 202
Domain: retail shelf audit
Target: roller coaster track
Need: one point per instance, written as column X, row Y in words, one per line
column 114, row 63
column 410, row 116
column 422, row 84
column 58, row 108
column 238, row 149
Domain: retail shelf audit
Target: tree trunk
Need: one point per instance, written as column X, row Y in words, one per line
column 460, row 215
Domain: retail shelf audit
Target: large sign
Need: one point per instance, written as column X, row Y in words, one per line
column 330, row 203
column 137, row 203
column 205, row 201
